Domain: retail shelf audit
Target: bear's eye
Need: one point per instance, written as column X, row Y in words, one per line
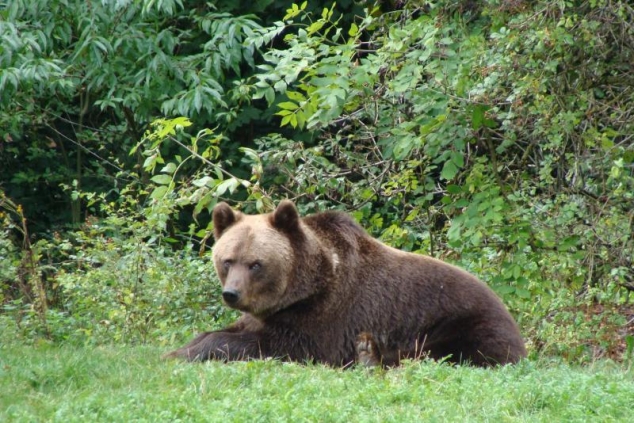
column 255, row 266
column 226, row 264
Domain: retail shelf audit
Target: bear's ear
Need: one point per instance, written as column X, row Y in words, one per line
column 285, row 217
column 223, row 217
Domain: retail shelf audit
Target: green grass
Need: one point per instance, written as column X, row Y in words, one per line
column 45, row 382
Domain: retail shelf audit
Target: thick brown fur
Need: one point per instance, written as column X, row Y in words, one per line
column 320, row 289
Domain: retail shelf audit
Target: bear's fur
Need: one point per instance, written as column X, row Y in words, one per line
column 320, row 289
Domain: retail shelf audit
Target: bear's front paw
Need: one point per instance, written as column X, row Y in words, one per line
column 368, row 353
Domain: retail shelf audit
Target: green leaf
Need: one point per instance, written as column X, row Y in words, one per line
column 504, row 289
column 354, row 30
column 315, row 26
column 227, row 184
column 161, row 179
column 169, row 168
column 454, row 233
column 457, row 158
column 296, row 96
column 269, row 95
column 201, row 182
column 477, row 117
column 523, row 293
column 454, row 189
column 150, row 161
column 286, row 120
column 449, row 170
column 159, row 192
column 288, row 105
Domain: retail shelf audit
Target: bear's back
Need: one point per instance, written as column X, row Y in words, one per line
column 400, row 296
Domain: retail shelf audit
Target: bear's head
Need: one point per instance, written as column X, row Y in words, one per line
column 255, row 257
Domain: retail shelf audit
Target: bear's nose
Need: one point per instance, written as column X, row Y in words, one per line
column 231, row 296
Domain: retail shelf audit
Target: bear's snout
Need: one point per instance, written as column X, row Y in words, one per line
column 231, row 296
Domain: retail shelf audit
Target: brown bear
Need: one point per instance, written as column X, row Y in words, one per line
column 320, row 289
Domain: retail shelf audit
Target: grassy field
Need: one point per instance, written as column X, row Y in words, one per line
column 126, row 384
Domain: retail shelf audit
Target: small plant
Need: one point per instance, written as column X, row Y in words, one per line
column 22, row 273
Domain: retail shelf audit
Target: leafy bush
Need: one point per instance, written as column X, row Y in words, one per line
column 497, row 139
column 119, row 279
column 80, row 81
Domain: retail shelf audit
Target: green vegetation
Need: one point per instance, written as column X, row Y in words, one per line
column 45, row 382
column 497, row 135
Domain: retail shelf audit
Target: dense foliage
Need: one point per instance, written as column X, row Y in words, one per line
column 496, row 135
column 80, row 81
